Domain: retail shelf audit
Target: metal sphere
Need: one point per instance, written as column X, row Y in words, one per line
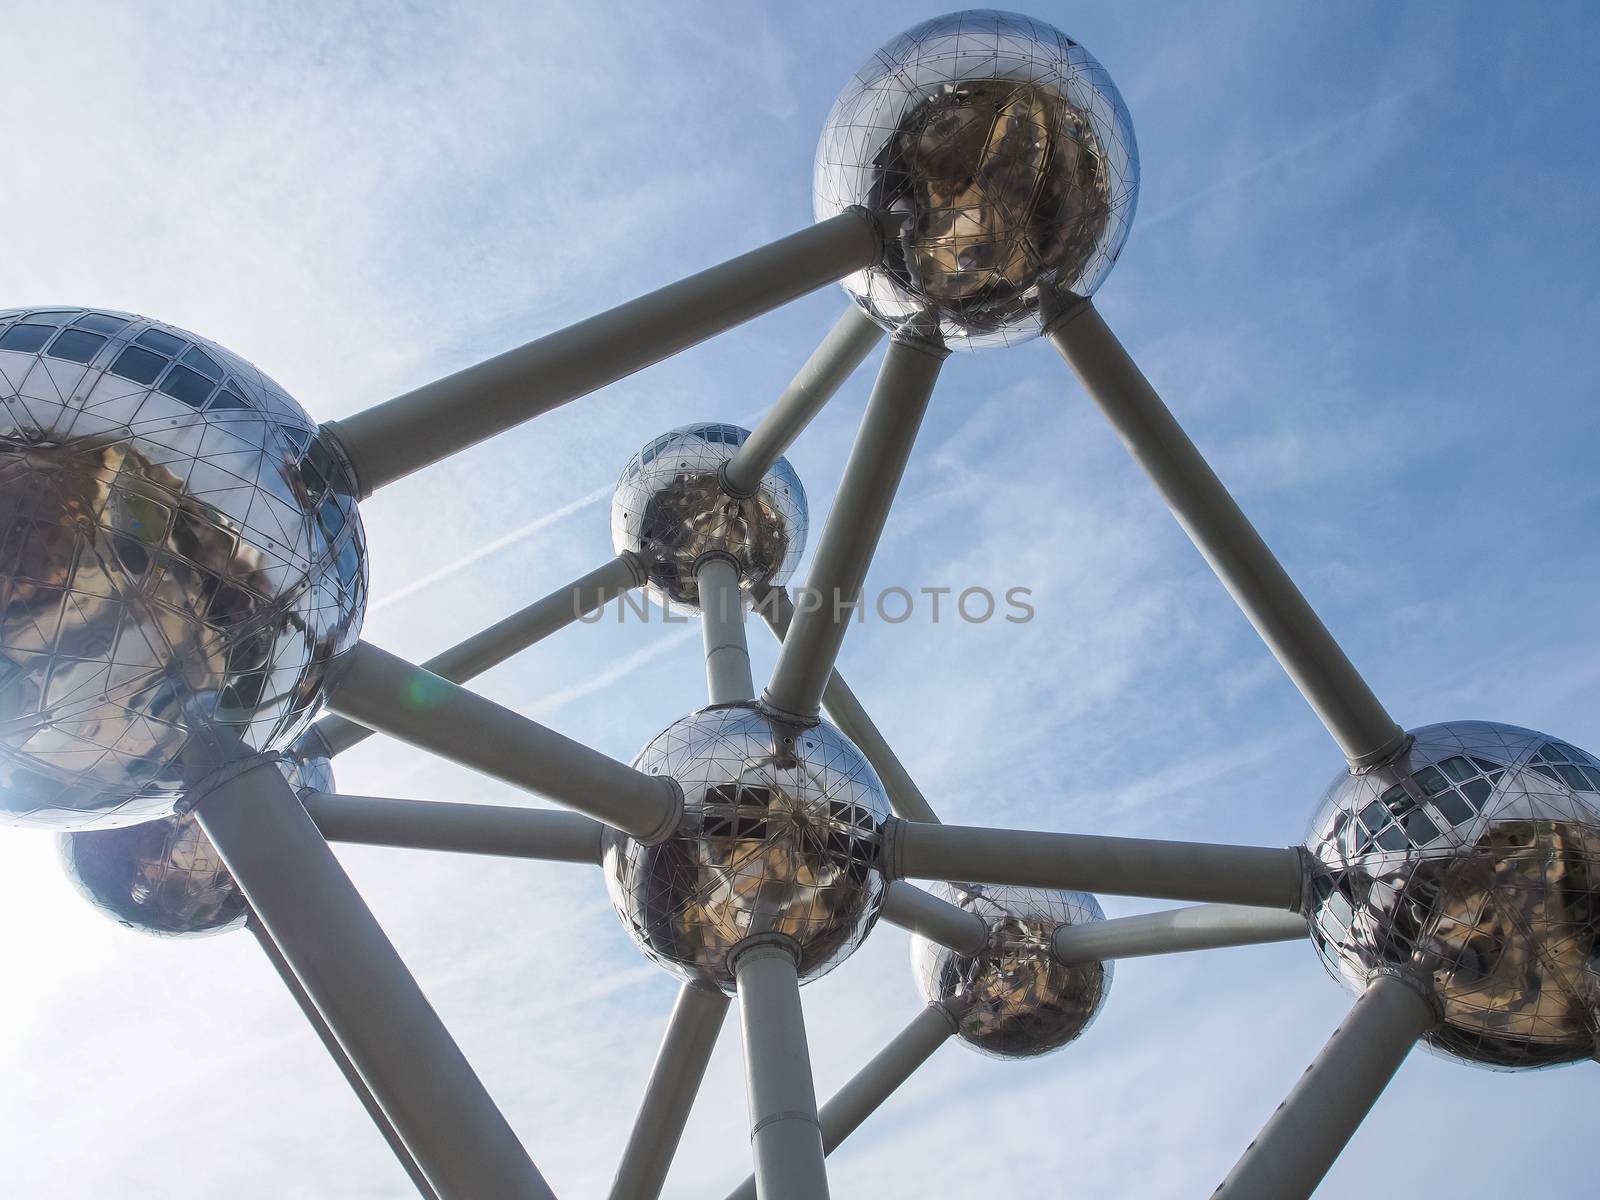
column 180, row 554
column 1014, row 999
column 1011, row 154
column 1472, row 864
column 164, row 877
column 781, row 833
column 671, row 509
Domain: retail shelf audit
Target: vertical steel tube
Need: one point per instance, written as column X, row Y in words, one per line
column 318, row 921
column 876, row 1082
column 785, row 1137
column 849, row 341
column 1255, row 875
column 393, row 439
column 728, row 678
column 909, row 907
column 500, row 641
column 1302, row 1139
column 389, row 694
column 1223, row 534
column 876, row 463
column 1201, row 927
column 674, row 1080
column 845, row 711
column 342, row 1061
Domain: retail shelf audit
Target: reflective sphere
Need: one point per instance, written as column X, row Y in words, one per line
column 1008, row 149
column 1015, row 1000
column 669, row 506
column 164, row 877
column 781, row 833
column 1473, row 863
column 179, row 552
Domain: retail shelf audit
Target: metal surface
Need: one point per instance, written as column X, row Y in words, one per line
column 781, row 833
column 728, row 678
column 869, row 1087
column 938, row 920
column 670, row 508
column 179, row 551
column 1472, row 862
column 463, row 828
column 849, row 342
column 860, row 509
column 1199, row 871
column 785, row 1138
column 1012, row 155
column 1202, row 927
column 1223, row 534
column 845, row 711
column 1305, row 1135
column 403, row 435
column 674, row 1080
column 347, row 1069
column 165, row 877
column 362, row 989
column 505, row 638
column 395, row 697
column 1014, row 997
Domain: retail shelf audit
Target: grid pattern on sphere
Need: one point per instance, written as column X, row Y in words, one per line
column 1015, row 999
column 1011, row 152
column 164, row 877
column 670, row 506
column 782, row 833
column 179, row 549
column 1475, row 862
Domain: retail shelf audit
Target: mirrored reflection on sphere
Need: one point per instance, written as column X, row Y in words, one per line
column 1472, row 863
column 781, row 833
column 1012, row 156
column 180, row 553
column 164, row 877
column 670, row 508
column 1015, row 999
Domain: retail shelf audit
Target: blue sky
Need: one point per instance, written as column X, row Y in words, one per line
column 1361, row 274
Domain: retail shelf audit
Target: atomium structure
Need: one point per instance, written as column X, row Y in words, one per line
column 183, row 575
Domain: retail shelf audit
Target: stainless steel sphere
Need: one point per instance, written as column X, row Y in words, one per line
column 180, row 553
column 1015, row 999
column 670, row 508
column 165, row 877
column 1471, row 863
column 1011, row 154
column 781, row 833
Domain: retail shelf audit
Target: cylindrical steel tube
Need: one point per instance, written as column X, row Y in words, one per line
column 728, row 678
column 1202, row 927
column 462, row 828
column 909, row 907
column 364, row 992
column 1220, row 530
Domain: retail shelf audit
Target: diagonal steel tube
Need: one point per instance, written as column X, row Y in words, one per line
column 909, row 907
column 393, row 439
column 1201, row 927
column 849, row 342
column 342, row 1061
column 339, row 953
column 1255, row 875
column 867, row 1090
column 388, row 694
column 1223, row 534
column 674, row 1081
column 492, row 646
column 728, row 678
column 1301, row 1140
column 842, row 707
column 463, row 828
column 877, row 461
column 785, row 1138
